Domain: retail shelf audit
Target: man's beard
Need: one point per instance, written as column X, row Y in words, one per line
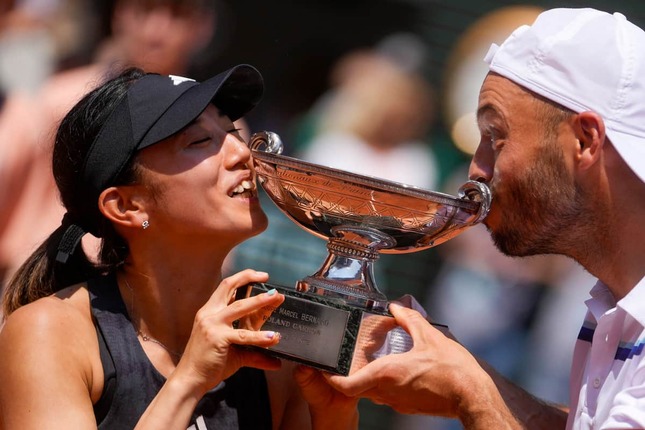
column 540, row 208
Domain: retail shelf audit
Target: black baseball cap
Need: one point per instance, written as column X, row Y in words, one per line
column 156, row 107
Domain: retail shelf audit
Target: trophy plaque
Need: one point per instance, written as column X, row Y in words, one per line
column 337, row 319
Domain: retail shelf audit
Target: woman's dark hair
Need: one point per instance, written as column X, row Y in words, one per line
column 41, row 275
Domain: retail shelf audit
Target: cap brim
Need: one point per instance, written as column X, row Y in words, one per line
column 235, row 92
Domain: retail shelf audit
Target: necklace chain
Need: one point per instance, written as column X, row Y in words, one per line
column 140, row 333
column 147, row 338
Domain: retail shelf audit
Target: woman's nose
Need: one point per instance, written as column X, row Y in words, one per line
column 238, row 151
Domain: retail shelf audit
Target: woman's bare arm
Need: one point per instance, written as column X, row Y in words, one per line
column 46, row 367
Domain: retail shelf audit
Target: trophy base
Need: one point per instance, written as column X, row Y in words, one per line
column 327, row 333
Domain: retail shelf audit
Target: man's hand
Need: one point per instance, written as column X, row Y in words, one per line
column 437, row 376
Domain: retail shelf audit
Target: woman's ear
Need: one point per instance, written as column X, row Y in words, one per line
column 120, row 206
column 590, row 132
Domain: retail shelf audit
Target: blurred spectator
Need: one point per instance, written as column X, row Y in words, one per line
column 36, row 35
column 376, row 119
column 549, row 350
column 156, row 35
column 26, row 50
column 161, row 36
column 17, row 155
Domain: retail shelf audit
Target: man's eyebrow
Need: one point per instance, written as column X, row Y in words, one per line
column 486, row 110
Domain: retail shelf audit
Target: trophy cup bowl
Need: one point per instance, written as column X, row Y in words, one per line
column 336, row 319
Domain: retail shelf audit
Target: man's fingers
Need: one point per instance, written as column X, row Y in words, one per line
column 412, row 321
column 354, row 385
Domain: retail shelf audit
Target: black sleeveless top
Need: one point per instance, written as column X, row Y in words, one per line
column 131, row 381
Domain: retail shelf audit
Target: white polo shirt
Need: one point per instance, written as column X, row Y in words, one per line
column 607, row 388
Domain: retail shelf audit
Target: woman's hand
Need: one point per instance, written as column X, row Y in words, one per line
column 211, row 354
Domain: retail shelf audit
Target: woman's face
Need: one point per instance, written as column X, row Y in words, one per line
column 200, row 183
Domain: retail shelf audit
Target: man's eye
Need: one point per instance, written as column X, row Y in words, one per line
column 493, row 136
column 488, row 137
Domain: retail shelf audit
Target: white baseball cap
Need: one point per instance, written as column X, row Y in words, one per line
column 585, row 60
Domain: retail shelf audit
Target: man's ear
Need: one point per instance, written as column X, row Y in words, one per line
column 121, row 207
column 589, row 128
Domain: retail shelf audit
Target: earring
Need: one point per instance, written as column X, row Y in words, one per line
column 145, row 224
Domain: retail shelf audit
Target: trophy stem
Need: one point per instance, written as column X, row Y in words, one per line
column 348, row 270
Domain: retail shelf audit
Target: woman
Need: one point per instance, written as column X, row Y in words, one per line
column 145, row 338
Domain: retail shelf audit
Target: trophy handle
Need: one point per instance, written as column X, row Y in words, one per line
column 479, row 192
column 266, row 141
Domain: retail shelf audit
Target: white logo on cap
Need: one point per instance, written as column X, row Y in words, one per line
column 176, row 80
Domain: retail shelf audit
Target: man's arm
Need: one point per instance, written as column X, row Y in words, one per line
column 438, row 376
column 532, row 412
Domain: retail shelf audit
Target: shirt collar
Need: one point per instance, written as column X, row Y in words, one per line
column 602, row 300
column 634, row 302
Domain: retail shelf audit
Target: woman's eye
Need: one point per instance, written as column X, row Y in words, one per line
column 233, row 130
column 200, row 141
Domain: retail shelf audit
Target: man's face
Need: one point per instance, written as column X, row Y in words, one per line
column 535, row 200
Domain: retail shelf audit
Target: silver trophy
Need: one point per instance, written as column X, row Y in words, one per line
column 336, row 319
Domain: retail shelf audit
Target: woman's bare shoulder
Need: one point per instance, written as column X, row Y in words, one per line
column 67, row 306
column 62, row 321
column 50, row 366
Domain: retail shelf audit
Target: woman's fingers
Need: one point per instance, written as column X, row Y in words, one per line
column 258, row 308
column 264, row 338
column 225, row 292
column 222, row 301
column 256, row 319
column 251, row 311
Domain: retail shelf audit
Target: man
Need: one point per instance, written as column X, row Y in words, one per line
column 562, row 122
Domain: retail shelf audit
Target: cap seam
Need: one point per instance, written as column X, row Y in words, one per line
column 627, row 75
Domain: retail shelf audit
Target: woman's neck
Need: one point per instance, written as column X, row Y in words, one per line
column 164, row 298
